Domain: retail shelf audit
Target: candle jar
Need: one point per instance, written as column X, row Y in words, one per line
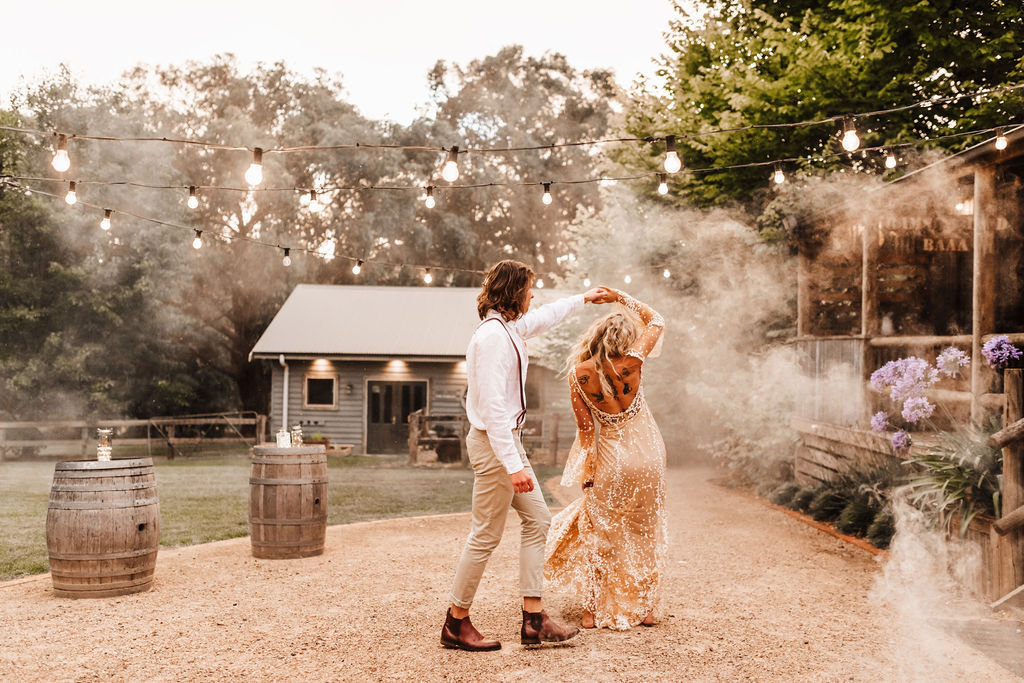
column 284, row 439
column 104, row 450
column 297, row 435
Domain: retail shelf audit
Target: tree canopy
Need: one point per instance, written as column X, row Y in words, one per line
column 758, row 62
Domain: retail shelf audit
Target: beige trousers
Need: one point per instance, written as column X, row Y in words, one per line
column 492, row 495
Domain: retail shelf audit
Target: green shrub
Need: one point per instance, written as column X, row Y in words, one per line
column 802, row 499
column 856, row 517
column 827, row 504
column 881, row 530
column 784, row 494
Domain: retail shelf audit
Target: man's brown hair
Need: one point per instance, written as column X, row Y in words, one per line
column 503, row 289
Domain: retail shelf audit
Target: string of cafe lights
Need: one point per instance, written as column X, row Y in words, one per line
column 450, row 172
column 672, row 161
column 192, row 202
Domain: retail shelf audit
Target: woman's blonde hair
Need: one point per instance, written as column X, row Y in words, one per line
column 609, row 337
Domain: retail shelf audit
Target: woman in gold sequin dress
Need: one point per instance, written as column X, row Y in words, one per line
column 609, row 545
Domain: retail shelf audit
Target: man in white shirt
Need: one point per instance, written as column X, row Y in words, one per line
column 496, row 364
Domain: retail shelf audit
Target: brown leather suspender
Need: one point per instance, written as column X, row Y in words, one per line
column 519, row 359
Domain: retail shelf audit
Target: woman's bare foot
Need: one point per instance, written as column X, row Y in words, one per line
column 588, row 620
column 648, row 621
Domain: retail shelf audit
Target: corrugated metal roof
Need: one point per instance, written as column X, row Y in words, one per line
column 332, row 320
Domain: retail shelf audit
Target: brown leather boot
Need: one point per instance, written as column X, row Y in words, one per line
column 462, row 635
column 539, row 628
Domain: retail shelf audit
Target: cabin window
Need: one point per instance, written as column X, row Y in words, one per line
column 321, row 391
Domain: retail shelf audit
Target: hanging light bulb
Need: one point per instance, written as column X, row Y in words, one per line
column 105, row 223
column 193, row 200
column 546, row 198
column 314, row 204
column 540, row 283
column 450, row 172
column 357, row 267
column 427, row 277
column 666, row 273
column 72, row 196
column 890, row 159
column 429, row 200
column 850, row 140
column 1000, row 139
column 254, row 176
column 287, row 260
column 586, row 280
column 662, row 183
column 197, row 243
column 61, row 161
column 779, row 177
column 672, row 161
column 627, row 279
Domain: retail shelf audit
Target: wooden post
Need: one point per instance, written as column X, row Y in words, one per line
column 803, row 295
column 869, row 320
column 3, row 438
column 85, row 442
column 261, row 429
column 1013, row 478
column 983, row 297
column 170, row 442
column 414, row 435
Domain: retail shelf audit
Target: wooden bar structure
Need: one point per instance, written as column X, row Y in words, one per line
column 933, row 260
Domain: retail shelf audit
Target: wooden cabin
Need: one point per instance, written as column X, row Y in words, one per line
column 352, row 363
column 932, row 260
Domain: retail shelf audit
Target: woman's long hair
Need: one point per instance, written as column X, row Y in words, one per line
column 504, row 288
column 608, row 337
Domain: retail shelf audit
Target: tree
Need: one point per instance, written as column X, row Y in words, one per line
column 756, row 62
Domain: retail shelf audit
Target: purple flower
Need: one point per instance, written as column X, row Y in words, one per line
column 916, row 408
column 905, row 378
column 951, row 360
column 998, row 351
column 879, row 421
column 901, row 442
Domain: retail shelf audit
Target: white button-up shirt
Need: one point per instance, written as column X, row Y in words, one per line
column 496, row 396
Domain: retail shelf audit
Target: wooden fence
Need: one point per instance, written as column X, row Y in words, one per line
column 78, row 437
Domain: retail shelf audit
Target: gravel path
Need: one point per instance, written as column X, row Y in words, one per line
column 751, row 594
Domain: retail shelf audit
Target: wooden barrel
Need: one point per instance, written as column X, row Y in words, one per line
column 103, row 527
column 288, row 501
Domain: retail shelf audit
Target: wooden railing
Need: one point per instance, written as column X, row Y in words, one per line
column 33, row 437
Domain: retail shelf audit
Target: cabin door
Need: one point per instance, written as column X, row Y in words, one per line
column 388, row 405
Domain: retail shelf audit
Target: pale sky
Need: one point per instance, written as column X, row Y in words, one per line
column 382, row 49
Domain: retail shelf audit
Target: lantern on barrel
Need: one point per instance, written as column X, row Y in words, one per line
column 103, row 525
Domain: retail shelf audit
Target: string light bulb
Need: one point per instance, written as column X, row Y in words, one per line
column 546, row 198
column 666, row 273
column 287, row 260
column 540, row 283
column 586, row 280
column 672, row 161
column 105, row 223
column 450, row 171
column 890, row 159
column 61, row 161
column 72, row 196
column 779, row 177
column 663, row 183
column 254, row 176
column 850, row 140
column 357, row 267
column 314, row 204
column 197, row 243
column 429, row 199
column 627, row 279
column 193, row 199
column 1000, row 139
column 427, row 277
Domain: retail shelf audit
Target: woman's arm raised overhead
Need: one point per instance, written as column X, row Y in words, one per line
column 654, row 325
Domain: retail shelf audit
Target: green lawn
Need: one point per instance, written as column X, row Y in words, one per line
column 206, row 499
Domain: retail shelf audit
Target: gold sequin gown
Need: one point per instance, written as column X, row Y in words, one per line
column 609, row 545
